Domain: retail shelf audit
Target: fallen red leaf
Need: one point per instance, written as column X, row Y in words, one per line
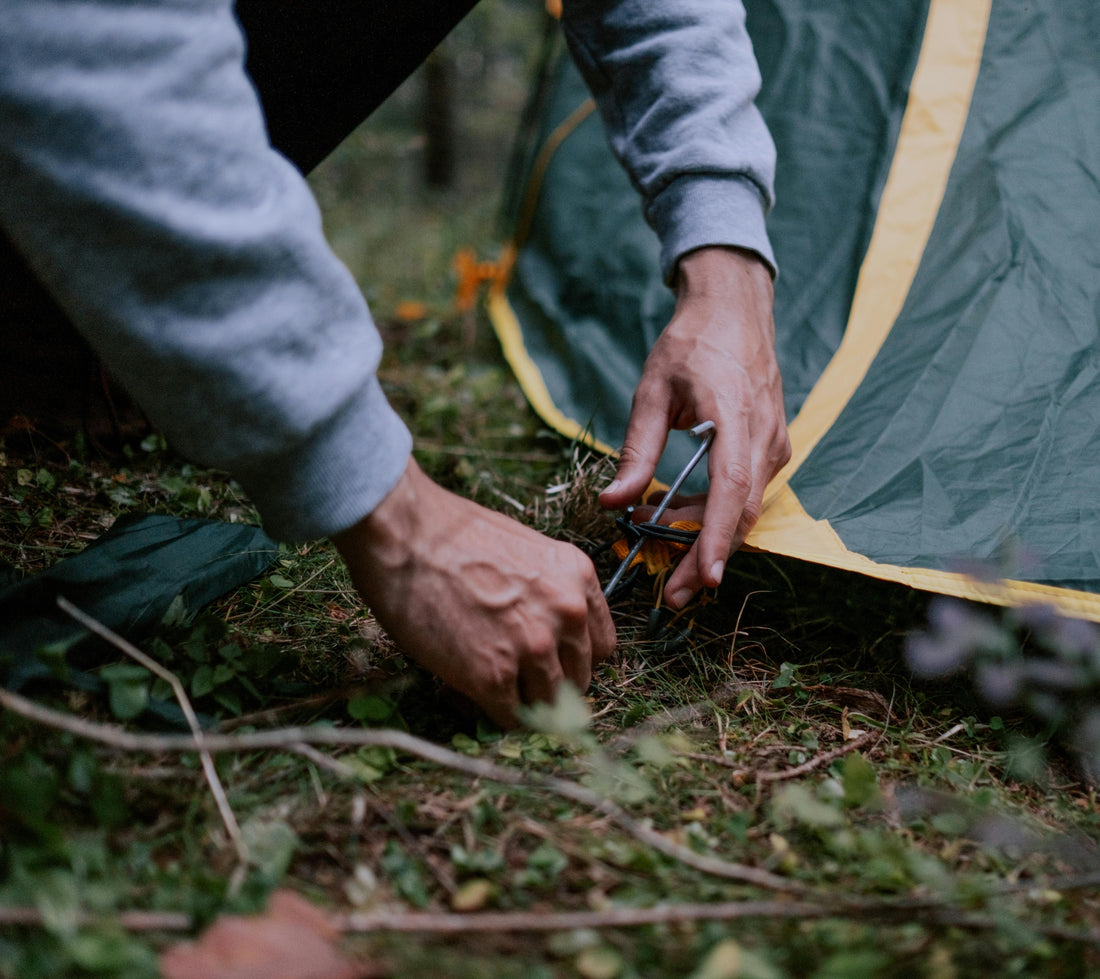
column 292, row 939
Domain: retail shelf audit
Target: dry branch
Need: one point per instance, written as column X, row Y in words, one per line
column 452, row 923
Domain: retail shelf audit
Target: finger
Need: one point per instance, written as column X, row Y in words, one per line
column 601, row 627
column 732, row 471
column 679, row 501
column 540, row 670
column 502, row 708
column 575, row 656
column 693, row 512
column 646, row 433
column 732, row 484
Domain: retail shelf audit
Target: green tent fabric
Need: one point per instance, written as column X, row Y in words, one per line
column 938, row 306
column 127, row 580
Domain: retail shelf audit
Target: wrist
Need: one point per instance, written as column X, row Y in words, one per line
column 384, row 541
column 718, row 270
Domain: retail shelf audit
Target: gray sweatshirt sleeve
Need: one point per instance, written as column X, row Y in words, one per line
column 675, row 82
column 137, row 179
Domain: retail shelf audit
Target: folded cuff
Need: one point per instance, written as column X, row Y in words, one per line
column 696, row 211
column 338, row 476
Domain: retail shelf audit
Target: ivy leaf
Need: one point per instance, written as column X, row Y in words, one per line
column 271, row 845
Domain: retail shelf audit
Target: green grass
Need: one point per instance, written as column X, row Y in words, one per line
column 728, row 741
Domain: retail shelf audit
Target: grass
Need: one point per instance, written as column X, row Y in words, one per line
column 730, row 741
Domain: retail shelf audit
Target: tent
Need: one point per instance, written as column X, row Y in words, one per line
column 938, row 306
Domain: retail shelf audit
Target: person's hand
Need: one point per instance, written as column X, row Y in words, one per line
column 714, row 361
column 494, row 609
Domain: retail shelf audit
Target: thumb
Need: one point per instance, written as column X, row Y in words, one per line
column 646, row 434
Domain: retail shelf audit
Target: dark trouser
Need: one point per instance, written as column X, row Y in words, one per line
column 321, row 67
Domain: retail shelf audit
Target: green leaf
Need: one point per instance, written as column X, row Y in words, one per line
column 153, row 443
column 859, row 780
column 82, row 772
column 370, row 707
column 229, row 700
column 127, row 688
column 724, row 961
column 280, row 581
column 405, row 874
column 271, row 845
column 544, row 864
column 617, row 780
column 230, row 651
column 950, row 823
column 464, row 743
column 58, row 901
column 29, row 792
column 797, row 803
column 203, row 681
column 599, row 962
column 107, row 799
column 785, row 677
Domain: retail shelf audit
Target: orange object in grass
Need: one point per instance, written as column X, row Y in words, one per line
column 657, row 555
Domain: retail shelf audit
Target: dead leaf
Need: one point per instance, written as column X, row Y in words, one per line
column 292, row 939
column 473, row 895
column 870, row 703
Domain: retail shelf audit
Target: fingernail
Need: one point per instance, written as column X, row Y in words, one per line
column 716, row 571
column 613, row 486
column 680, row 597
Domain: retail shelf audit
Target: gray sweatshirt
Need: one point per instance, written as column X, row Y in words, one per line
column 137, row 179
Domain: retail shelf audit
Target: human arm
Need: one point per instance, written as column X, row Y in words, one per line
column 675, row 82
column 138, row 181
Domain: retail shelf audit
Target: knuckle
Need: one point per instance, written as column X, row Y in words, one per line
column 631, row 456
column 505, row 677
column 749, row 516
column 737, row 476
column 541, row 646
column 574, row 612
column 782, row 449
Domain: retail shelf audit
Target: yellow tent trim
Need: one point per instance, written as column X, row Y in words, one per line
column 791, row 531
column 939, row 99
column 529, row 376
column 935, row 116
column 503, row 317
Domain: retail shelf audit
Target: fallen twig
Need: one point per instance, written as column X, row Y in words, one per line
column 748, row 775
column 882, row 912
column 453, row 923
column 678, row 716
column 130, row 920
column 819, row 760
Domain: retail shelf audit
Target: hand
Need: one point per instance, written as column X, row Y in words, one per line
column 494, row 609
column 714, row 361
